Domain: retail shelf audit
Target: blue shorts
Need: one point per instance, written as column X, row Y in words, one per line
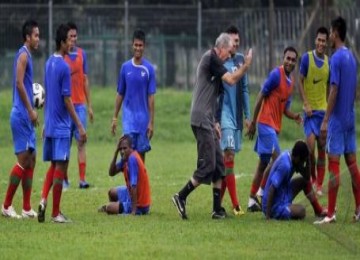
column 56, row 149
column 125, row 199
column 23, row 132
column 267, row 141
column 230, row 139
column 140, row 142
column 312, row 124
column 81, row 112
column 339, row 143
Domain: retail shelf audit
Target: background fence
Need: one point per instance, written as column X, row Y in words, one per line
column 176, row 36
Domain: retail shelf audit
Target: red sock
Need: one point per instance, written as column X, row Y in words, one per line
column 223, row 188
column 48, row 182
column 26, row 182
column 15, row 178
column 355, row 178
column 57, row 190
column 312, row 198
column 231, row 185
column 320, row 165
column 334, row 183
column 82, row 169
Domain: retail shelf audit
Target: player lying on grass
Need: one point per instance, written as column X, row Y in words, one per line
column 134, row 198
column 281, row 188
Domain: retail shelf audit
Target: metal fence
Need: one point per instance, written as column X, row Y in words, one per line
column 176, row 36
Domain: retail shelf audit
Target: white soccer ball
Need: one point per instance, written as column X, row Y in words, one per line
column 38, row 95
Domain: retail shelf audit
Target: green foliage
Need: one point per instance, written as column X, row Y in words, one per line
column 162, row 234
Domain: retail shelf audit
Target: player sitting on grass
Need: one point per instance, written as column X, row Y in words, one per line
column 134, row 198
column 281, row 188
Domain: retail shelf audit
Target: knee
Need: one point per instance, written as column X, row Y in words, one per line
column 112, row 194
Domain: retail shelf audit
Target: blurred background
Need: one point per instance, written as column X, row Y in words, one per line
column 178, row 32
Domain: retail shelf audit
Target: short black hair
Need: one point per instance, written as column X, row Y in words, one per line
column 72, row 26
column 139, row 35
column 61, row 35
column 339, row 25
column 300, row 150
column 28, row 27
column 323, row 30
column 232, row 29
column 126, row 138
column 292, row 49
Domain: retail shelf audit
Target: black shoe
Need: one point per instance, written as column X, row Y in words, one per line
column 180, row 205
column 221, row 214
column 254, row 208
column 41, row 212
column 84, row 185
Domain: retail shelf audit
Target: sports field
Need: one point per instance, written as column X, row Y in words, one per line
column 162, row 234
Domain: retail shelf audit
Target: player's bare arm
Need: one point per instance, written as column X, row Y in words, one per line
column 88, row 100
column 294, row 116
column 70, row 108
column 307, row 108
column 113, row 169
column 329, row 109
column 114, row 121
column 20, row 72
column 150, row 129
column 133, row 195
column 233, row 78
column 252, row 128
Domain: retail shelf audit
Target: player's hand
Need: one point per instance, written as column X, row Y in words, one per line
column 150, row 131
column 82, row 134
column 251, row 130
column 307, row 109
column 247, row 123
column 218, row 130
column 298, row 119
column 113, row 125
column 323, row 133
column 248, row 57
column 34, row 118
column 91, row 114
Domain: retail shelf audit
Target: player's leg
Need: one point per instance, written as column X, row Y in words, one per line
column 310, row 141
column 113, row 194
column 301, row 184
column 26, row 182
column 254, row 204
column 350, row 159
column 320, row 167
column 81, row 146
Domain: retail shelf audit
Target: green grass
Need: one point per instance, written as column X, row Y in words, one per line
column 163, row 234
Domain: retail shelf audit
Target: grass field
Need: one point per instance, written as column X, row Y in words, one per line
column 162, row 234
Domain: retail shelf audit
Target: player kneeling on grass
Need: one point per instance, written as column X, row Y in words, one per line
column 134, row 198
column 281, row 188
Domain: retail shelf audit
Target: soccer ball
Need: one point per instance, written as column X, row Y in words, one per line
column 38, row 95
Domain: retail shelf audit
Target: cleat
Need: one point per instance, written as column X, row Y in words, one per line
column 326, row 220
column 221, row 214
column 180, row 205
column 61, row 218
column 83, row 185
column 28, row 213
column 258, row 200
column 9, row 212
column 322, row 214
column 254, row 208
column 41, row 211
column 356, row 217
column 102, row 209
column 66, row 185
column 238, row 211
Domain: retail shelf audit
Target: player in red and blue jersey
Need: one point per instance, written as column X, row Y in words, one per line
column 272, row 102
column 80, row 96
column 59, row 111
column 135, row 93
column 338, row 126
column 23, row 120
column 281, row 188
column 135, row 197
column 313, row 88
